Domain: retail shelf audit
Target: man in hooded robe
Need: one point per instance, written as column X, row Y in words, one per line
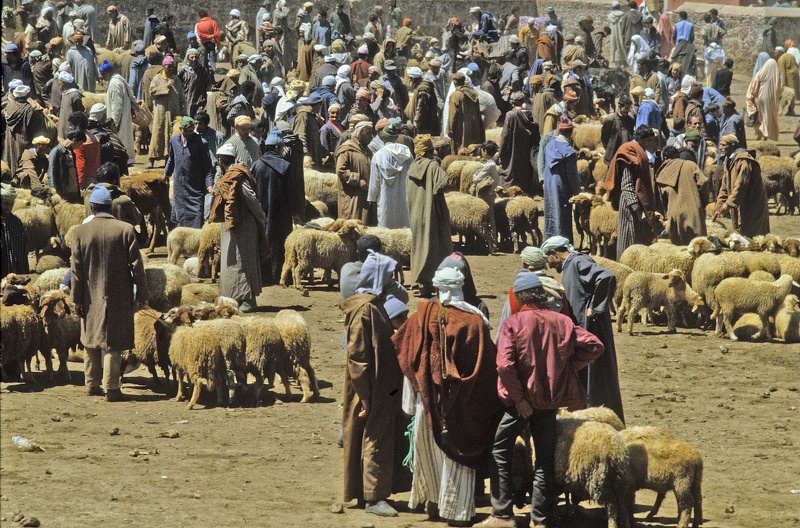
column 561, row 181
column 520, row 135
column 464, row 124
column 387, row 180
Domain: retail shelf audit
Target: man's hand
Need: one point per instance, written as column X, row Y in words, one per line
column 80, row 309
column 362, row 184
column 379, row 92
column 589, row 313
column 170, row 82
column 364, row 409
column 210, row 190
column 524, row 409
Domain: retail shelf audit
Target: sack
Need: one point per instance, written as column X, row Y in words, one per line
column 141, row 116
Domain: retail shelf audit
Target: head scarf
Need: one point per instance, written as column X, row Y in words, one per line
column 21, row 91
column 449, row 282
column 97, row 112
column 394, row 307
column 687, row 83
column 762, row 58
column 556, row 242
column 275, row 138
column 343, row 72
column 8, row 193
column 422, row 144
column 187, row 122
column 375, row 273
column 533, row 257
column 526, row 281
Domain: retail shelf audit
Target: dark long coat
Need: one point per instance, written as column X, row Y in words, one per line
column 193, row 173
column 520, row 134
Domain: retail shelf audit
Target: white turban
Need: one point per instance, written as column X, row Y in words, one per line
column 236, row 13
column 343, row 72
column 46, row 10
column 13, row 83
column 276, row 81
column 556, row 242
column 66, row 77
column 97, row 112
column 22, row 91
column 533, row 257
column 686, row 83
column 449, row 282
column 362, row 125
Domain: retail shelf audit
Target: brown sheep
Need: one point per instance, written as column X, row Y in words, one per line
column 602, row 227
column 196, row 354
column 297, row 339
column 149, row 191
column 777, row 173
column 22, row 333
column 581, row 207
column 61, row 330
column 208, row 252
column 152, row 335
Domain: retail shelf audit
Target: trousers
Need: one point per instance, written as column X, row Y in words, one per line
column 543, row 430
column 102, row 364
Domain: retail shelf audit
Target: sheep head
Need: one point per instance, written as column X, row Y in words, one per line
column 179, row 316
column 791, row 303
column 204, row 311
column 770, row 243
column 701, row 245
column 514, row 191
column 351, row 228
column 54, row 303
column 676, row 278
column 791, row 246
column 226, row 307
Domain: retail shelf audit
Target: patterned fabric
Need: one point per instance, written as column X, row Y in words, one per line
column 12, row 246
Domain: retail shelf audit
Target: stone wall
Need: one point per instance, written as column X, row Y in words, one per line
column 743, row 41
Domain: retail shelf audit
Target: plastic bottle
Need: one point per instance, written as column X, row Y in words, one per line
column 23, row 444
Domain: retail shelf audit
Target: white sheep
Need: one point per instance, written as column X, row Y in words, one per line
column 61, row 330
column 736, row 296
column 195, row 292
column 523, row 219
column 472, row 219
column 191, row 266
column 644, row 290
column 196, row 354
column 658, row 258
column 208, row 252
column 395, row 243
column 233, row 344
column 600, row 414
column 602, row 227
column 182, row 242
column 266, row 354
column 39, row 224
column 165, row 282
column 787, row 320
column 297, row 339
column 51, row 279
column 621, row 271
column 321, row 186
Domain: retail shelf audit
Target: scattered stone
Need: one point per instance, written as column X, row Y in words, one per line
column 766, row 395
column 172, row 433
column 196, row 495
column 337, row 507
column 663, row 345
column 113, row 498
column 793, row 389
column 3, row 498
column 729, row 509
column 792, row 408
column 65, row 413
column 780, row 426
column 724, row 349
column 55, row 418
column 90, row 415
column 33, row 522
column 48, row 472
column 18, row 517
column 114, row 431
column 367, row 525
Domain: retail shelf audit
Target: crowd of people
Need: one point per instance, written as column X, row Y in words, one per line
column 381, row 108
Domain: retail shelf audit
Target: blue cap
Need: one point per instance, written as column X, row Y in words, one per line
column 526, row 280
column 394, row 307
column 473, row 67
column 275, row 137
column 314, row 98
column 191, row 34
column 138, row 47
column 11, row 48
column 100, row 195
column 106, row 67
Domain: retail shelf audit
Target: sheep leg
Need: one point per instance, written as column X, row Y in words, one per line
column 305, row 375
column 765, row 331
column 697, row 494
column 683, row 495
column 671, row 316
column 195, row 395
column 258, row 386
column 63, row 369
column 152, row 369
column 623, row 308
column 178, row 375
column 48, row 361
column 634, row 309
column 656, row 505
column 728, row 318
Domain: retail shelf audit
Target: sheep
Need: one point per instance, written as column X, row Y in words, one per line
column 621, row 271
column 233, row 344
column 581, row 208
column 329, row 248
column 51, row 279
column 791, row 246
column 796, row 183
column 193, row 293
column 777, row 173
column 789, row 266
column 165, row 283
column 297, row 339
column 599, row 175
column 266, row 354
column 737, row 242
column 61, row 330
column 602, row 227
column 208, row 252
column 494, row 134
column 22, row 334
column 150, row 192
column 450, row 158
column 472, row 219
column 468, row 171
column 321, row 186
column 737, row 295
column 152, row 335
column 67, row 215
column 663, row 463
column 90, row 98
column 395, row 243
column 49, row 262
column 600, row 414
column 190, row 266
column 787, row 320
column 39, row 223
column 454, row 170
column 226, row 307
column 523, row 219
column 754, row 261
column 652, row 290
column 591, row 461
column 196, row 353
column 658, row 258
column 761, row 275
column 182, row 242
column 749, row 327
column 708, row 271
column 315, row 209
column 765, row 148
column 771, row 243
column 204, row 311
column 587, row 136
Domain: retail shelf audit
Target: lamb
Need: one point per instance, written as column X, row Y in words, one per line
column 708, row 271
column 204, row 311
column 789, row 266
column 737, row 295
column 182, row 242
column 602, row 227
column 51, row 279
column 61, row 330
column 658, row 258
column 581, row 208
column 190, row 266
column 152, row 336
column 652, row 290
column 591, row 461
column 791, row 246
column 771, row 243
column 787, row 320
column 587, row 136
column 621, row 271
column 329, row 248
column 395, row 243
column 226, row 307
column 662, row 463
column 67, row 215
column 195, row 292
column 777, row 173
column 450, row 158
column 765, row 148
column 266, row 353
column 473, row 219
column 208, row 252
column 22, row 333
column 468, row 171
column 321, row 186
column 196, row 353
column 595, row 414
column 749, row 327
column 40, row 225
column 165, row 282
column 49, row 262
column 233, row 344
column 761, row 275
column 150, row 191
column 297, row 339
column 523, row 219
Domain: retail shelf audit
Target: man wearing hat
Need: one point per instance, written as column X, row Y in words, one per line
column 571, row 51
column 87, row 13
column 82, row 63
column 192, row 171
column 405, row 37
column 395, row 83
column 307, row 124
column 33, row 164
column 245, row 147
column 684, row 191
column 517, row 55
column 425, row 115
column 553, row 19
column 741, row 195
column 428, row 215
column 353, row 174
column 585, row 30
column 119, row 30
column 487, row 28
column 359, row 69
column 249, row 72
column 520, row 136
column 107, row 276
column 647, row 78
column 791, row 78
column 651, row 115
column 169, row 102
column 387, row 180
column 617, row 128
column 23, row 122
column 236, row 31
column 196, row 80
column 561, row 181
column 464, row 125
column 119, row 104
column 150, row 22
column 540, row 354
column 15, row 67
column 13, row 250
column 732, row 123
column 41, row 71
column 329, row 67
column 619, row 46
column 71, row 101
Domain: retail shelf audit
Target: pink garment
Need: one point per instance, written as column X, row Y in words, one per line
column 539, row 354
column 763, row 96
column 665, row 29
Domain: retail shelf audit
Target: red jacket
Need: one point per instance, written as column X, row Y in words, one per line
column 87, row 160
column 539, row 354
column 206, row 30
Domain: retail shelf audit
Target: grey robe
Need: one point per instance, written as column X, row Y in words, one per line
column 240, row 274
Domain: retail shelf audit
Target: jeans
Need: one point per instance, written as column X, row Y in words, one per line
column 543, row 429
column 211, row 48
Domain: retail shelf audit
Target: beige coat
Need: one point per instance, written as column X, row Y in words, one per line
column 352, row 168
column 683, row 189
column 106, row 264
column 169, row 103
column 743, row 190
column 464, row 126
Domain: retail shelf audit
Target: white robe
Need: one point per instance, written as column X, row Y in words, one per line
column 387, row 185
column 119, row 99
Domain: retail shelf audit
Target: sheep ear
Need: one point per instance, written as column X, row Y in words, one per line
column 665, row 276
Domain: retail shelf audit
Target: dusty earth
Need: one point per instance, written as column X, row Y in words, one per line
column 278, row 464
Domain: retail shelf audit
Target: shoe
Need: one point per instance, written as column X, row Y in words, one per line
column 115, row 395
column 459, row 523
column 246, row 307
column 381, row 508
column 94, row 391
column 499, row 521
column 149, row 164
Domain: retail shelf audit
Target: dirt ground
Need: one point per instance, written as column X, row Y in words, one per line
column 278, row 464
